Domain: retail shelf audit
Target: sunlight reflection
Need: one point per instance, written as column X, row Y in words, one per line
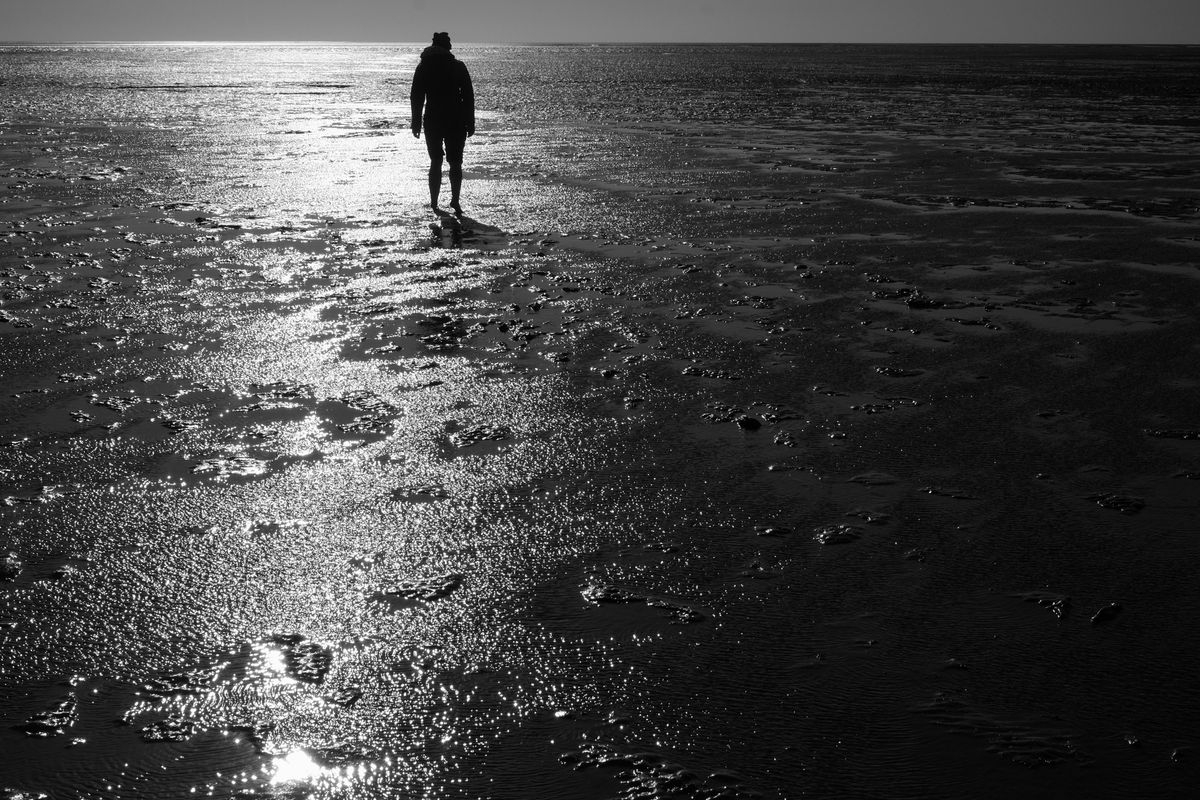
column 274, row 665
column 296, row 767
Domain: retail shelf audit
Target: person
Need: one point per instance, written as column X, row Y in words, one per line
column 443, row 102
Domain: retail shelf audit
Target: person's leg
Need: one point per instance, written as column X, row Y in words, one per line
column 435, row 181
column 455, row 186
column 455, row 144
column 433, row 144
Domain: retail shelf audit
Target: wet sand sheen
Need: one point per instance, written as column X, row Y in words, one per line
column 829, row 454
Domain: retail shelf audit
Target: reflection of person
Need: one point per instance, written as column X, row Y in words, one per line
column 441, row 89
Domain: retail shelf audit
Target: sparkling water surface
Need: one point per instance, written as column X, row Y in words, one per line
column 779, row 421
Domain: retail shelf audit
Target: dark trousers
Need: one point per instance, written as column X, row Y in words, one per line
column 445, row 142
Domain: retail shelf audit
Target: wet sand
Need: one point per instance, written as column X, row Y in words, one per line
column 841, row 460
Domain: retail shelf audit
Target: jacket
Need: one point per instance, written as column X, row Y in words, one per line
column 442, row 90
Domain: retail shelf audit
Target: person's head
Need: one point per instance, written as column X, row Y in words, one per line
column 441, row 40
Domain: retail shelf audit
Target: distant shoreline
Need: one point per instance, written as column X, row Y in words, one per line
column 335, row 43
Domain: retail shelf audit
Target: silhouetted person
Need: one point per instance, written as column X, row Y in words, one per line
column 444, row 102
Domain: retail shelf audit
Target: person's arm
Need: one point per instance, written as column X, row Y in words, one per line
column 417, row 100
column 468, row 100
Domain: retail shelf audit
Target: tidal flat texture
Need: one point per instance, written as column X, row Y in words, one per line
column 777, row 422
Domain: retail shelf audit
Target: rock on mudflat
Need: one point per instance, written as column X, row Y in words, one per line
column 874, row 479
column 172, row 729
column 1058, row 604
column 53, row 721
column 837, row 534
column 179, row 683
column 685, row 615
column 237, row 466
column 345, row 696
column 1187, row 434
column 342, row 754
column 470, row 437
column 420, row 493
column 651, row 775
column 870, row 516
column 606, row 593
column 10, row 567
column 425, row 589
column 305, row 660
column 897, row 372
column 1107, row 614
column 1126, row 504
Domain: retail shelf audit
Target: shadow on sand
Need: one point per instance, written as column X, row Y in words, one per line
column 454, row 230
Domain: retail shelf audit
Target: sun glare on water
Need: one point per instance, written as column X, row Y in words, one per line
column 297, row 767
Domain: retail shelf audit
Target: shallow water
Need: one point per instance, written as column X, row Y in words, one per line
column 779, row 422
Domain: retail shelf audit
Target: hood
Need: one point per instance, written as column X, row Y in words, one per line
column 435, row 53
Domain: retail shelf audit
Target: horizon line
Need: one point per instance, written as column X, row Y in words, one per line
column 603, row 43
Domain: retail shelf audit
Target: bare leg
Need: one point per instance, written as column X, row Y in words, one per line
column 456, row 176
column 435, row 182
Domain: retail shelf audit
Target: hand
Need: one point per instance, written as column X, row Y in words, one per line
column 416, row 129
column 471, row 131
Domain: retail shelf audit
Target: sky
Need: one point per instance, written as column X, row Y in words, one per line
column 1041, row 21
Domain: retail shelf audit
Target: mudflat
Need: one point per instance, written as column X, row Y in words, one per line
column 776, row 422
